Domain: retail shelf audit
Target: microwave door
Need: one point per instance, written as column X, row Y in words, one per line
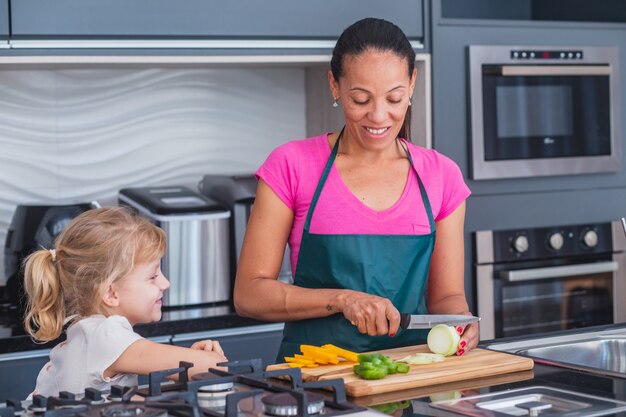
column 536, row 114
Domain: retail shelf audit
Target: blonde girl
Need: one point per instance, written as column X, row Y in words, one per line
column 103, row 276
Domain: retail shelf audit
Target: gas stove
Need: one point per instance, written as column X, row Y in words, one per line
column 244, row 390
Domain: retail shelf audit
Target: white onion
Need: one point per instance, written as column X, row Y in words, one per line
column 443, row 339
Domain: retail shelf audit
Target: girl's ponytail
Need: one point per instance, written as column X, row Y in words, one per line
column 45, row 312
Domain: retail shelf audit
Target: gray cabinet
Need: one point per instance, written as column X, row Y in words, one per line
column 4, row 19
column 19, row 373
column 299, row 19
column 244, row 343
column 538, row 10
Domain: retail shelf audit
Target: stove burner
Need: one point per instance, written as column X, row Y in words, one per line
column 285, row 404
column 213, row 400
column 123, row 410
column 211, row 387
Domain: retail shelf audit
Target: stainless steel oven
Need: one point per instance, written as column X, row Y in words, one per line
column 538, row 110
column 549, row 278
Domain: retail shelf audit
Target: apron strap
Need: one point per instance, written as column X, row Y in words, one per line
column 322, row 181
column 429, row 211
column 327, row 168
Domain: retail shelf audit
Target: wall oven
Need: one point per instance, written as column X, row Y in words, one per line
column 549, row 278
column 538, row 110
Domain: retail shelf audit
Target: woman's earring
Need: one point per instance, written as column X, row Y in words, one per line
column 335, row 104
column 410, row 100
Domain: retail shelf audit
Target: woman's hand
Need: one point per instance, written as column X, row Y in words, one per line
column 469, row 337
column 446, row 283
column 209, row 346
column 371, row 314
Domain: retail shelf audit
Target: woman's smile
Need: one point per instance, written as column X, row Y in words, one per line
column 377, row 132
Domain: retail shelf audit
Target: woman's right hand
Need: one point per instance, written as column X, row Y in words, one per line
column 371, row 314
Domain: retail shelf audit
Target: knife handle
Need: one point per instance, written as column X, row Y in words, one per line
column 405, row 319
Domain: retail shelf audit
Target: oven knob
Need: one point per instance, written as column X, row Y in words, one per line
column 590, row 238
column 520, row 244
column 556, row 241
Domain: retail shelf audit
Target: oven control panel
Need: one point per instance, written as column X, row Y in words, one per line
column 542, row 54
column 550, row 242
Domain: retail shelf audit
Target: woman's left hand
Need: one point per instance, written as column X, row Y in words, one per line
column 469, row 337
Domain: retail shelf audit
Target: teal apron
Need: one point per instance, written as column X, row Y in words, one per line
column 390, row 266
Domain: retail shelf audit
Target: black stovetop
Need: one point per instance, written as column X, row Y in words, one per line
column 244, row 388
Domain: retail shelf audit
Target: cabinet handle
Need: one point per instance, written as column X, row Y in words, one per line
column 177, row 44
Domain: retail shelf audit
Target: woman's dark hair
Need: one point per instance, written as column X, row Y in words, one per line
column 374, row 34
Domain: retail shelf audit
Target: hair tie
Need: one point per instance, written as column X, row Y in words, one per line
column 54, row 254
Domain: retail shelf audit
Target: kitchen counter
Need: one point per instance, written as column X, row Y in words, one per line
column 415, row 402
column 174, row 321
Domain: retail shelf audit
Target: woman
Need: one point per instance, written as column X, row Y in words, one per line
column 360, row 210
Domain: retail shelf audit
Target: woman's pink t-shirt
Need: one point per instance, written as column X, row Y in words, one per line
column 294, row 169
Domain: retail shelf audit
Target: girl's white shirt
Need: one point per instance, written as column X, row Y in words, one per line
column 92, row 345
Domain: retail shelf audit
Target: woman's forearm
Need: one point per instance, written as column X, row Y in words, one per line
column 452, row 304
column 273, row 300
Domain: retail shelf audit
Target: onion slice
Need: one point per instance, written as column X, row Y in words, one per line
column 422, row 358
column 443, row 339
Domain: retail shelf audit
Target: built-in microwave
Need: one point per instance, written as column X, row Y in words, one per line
column 538, row 110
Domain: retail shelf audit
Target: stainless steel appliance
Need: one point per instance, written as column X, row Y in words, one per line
column 196, row 260
column 237, row 192
column 544, row 110
column 549, row 278
column 33, row 226
column 244, row 390
column 532, row 402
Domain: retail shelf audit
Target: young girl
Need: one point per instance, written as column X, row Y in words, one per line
column 103, row 277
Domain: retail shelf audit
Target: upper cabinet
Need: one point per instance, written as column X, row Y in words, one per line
column 4, row 19
column 605, row 11
column 232, row 19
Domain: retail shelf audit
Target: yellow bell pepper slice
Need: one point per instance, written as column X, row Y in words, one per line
column 319, row 354
column 299, row 360
column 295, row 365
column 311, row 358
column 344, row 353
column 302, row 365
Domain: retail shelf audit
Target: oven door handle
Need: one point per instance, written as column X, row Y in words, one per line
column 515, row 70
column 519, row 275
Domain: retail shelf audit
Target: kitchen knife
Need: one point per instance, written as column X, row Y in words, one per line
column 426, row 321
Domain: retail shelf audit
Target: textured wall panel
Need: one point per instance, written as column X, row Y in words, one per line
column 81, row 134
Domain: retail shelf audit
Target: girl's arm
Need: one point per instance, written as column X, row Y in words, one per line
column 446, row 283
column 145, row 356
column 259, row 294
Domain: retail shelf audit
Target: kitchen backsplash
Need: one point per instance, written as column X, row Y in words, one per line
column 77, row 134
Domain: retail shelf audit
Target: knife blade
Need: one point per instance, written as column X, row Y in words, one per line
column 426, row 321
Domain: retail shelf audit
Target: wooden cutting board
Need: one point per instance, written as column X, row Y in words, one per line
column 477, row 363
